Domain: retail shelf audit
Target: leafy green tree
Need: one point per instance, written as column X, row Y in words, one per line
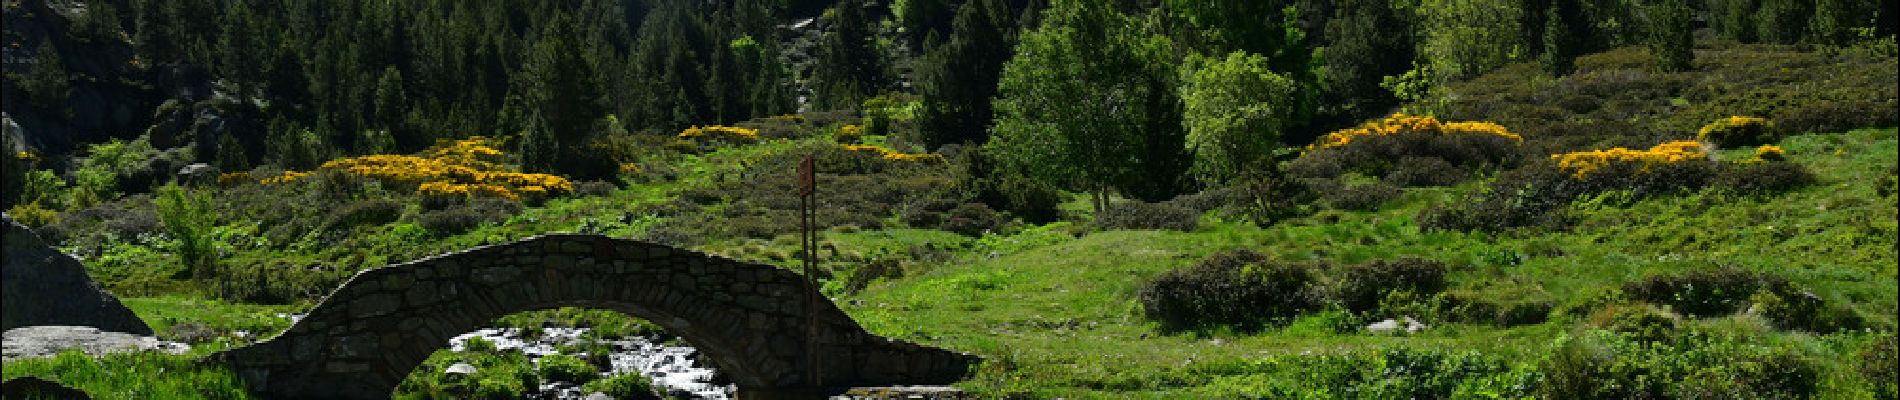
column 391, row 108
column 1464, row 38
column 187, row 216
column 1236, row 110
column 958, row 79
column 1367, row 41
column 1783, row 21
column 47, row 82
column 1834, row 21
column 1085, row 105
column 1672, row 34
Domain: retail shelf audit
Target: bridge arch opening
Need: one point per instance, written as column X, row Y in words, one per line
column 749, row 319
column 567, row 352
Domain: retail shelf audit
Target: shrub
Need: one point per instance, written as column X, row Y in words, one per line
column 729, row 134
column 188, row 217
column 453, row 169
column 33, row 215
column 1418, row 171
column 1802, row 310
column 1361, row 287
column 848, row 134
column 1359, row 197
column 972, row 219
column 1147, row 216
column 593, row 188
column 368, row 212
column 1238, row 287
column 565, row 368
column 1880, row 364
column 1769, row 152
column 1739, row 131
column 1693, row 364
column 629, row 386
column 1469, row 307
column 1704, row 292
column 1763, row 178
column 1268, row 198
column 1641, row 322
column 1409, row 149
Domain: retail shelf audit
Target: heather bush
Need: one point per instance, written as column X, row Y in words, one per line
column 1361, row 287
column 1703, row 292
column 1361, row 197
column 1135, row 214
column 1602, row 364
column 1538, row 193
column 367, row 212
column 973, row 219
column 466, row 216
column 1239, row 288
column 1762, row 178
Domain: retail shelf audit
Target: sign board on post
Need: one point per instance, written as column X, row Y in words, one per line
column 806, row 185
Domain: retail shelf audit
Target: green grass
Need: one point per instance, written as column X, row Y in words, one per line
column 144, row 375
column 1062, row 319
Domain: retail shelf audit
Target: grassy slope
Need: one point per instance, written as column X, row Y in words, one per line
column 1065, row 314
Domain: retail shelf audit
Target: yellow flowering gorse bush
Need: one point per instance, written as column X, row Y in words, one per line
column 1582, row 163
column 1769, row 152
column 893, row 155
column 230, row 179
column 720, row 132
column 286, row 177
column 1737, row 130
column 1401, row 124
column 453, row 168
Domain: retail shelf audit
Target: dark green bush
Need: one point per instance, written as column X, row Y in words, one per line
column 1408, row 159
column 1239, row 288
column 1802, row 310
column 1763, row 178
column 1361, row 287
column 1539, row 193
column 1268, row 198
column 1359, row 197
column 972, row 219
column 1703, row 292
column 1880, row 364
column 593, row 188
column 1468, row 307
column 1693, row 364
column 1642, row 323
column 367, row 212
column 560, row 367
column 1135, row 214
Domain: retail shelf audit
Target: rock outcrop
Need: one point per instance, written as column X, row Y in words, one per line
column 41, row 286
column 49, row 340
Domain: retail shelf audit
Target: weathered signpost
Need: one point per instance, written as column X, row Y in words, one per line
column 807, row 189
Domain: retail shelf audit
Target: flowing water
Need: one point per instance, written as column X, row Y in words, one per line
column 673, row 369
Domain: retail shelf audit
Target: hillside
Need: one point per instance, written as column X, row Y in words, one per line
column 1102, row 199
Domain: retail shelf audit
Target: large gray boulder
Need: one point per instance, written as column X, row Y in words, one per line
column 41, row 286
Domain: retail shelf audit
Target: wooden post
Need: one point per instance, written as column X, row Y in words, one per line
column 807, row 189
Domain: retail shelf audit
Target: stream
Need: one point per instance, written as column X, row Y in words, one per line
column 675, row 370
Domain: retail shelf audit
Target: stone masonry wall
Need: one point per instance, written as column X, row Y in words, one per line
column 749, row 319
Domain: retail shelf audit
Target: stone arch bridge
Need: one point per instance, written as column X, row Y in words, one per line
column 749, row 319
